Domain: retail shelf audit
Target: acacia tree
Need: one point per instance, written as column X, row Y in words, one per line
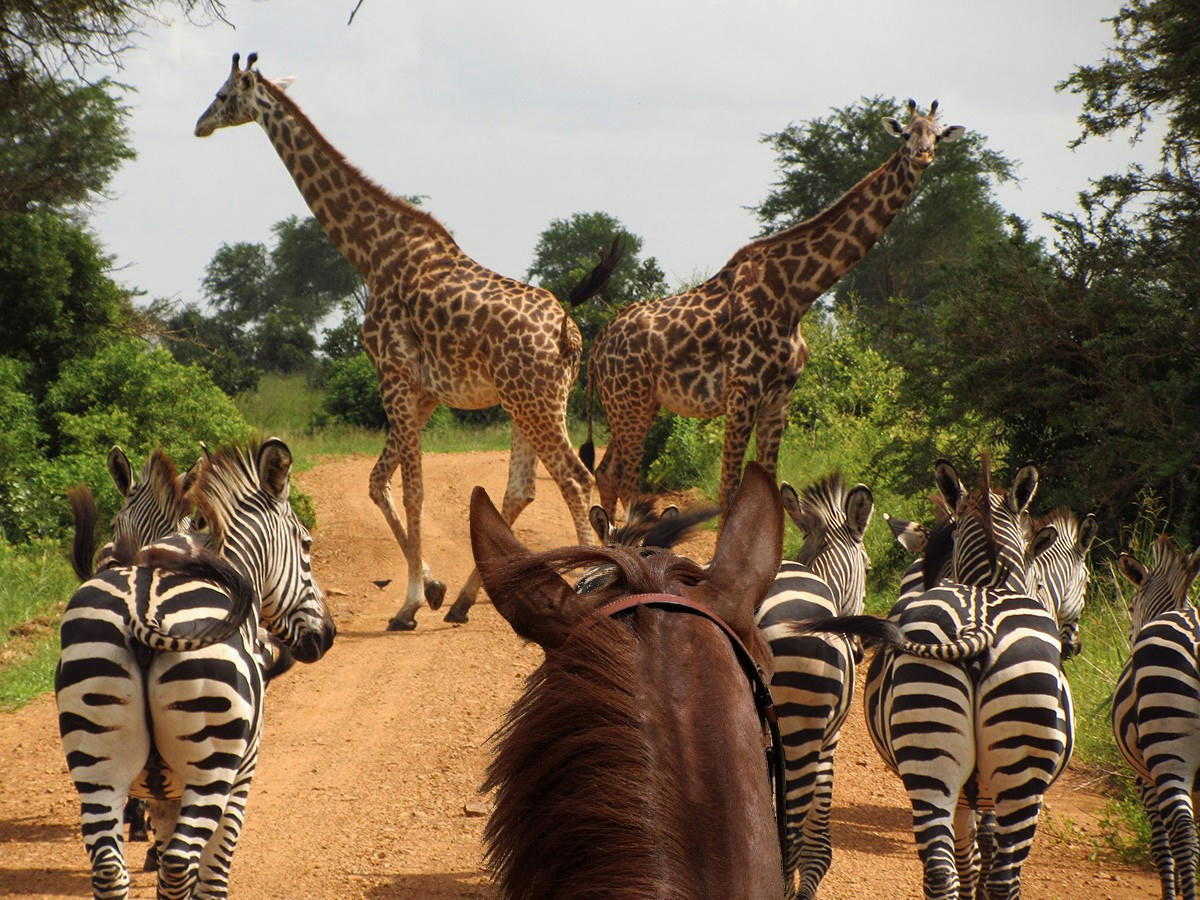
column 951, row 211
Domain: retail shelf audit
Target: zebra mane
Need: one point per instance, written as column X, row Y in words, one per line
column 1175, row 566
column 162, row 478
column 977, row 505
column 1065, row 522
column 821, row 504
column 224, row 477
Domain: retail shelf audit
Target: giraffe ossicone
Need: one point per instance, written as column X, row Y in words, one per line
column 439, row 328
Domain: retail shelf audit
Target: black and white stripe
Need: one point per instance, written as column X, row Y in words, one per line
column 1156, row 708
column 159, row 684
column 814, row 673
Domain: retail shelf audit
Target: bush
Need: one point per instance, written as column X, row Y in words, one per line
column 127, row 395
column 681, row 452
column 352, row 392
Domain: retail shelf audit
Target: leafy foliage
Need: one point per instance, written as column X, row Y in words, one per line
column 60, row 143
column 352, row 392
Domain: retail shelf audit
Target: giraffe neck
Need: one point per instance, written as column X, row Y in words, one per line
column 365, row 222
column 802, row 262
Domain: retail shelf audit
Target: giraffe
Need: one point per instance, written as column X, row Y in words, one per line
column 439, row 328
column 732, row 346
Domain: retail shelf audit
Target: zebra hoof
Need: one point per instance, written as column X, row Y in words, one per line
column 395, row 623
column 435, row 593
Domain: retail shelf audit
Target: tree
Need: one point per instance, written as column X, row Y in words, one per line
column 1083, row 357
column 57, row 299
column 951, row 211
column 237, row 281
column 216, row 345
column 309, row 274
column 60, row 143
column 568, row 249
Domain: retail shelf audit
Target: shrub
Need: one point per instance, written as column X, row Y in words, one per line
column 681, row 452
column 352, row 392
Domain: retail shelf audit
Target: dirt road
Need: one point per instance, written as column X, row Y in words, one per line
column 371, row 757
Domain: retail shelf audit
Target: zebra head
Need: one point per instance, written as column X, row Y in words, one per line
column 242, row 495
column 1164, row 586
column 155, row 503
column 834, row 522
column 1062, row 572
column 992, row 546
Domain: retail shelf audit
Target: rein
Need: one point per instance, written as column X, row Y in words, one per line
column 758, row 684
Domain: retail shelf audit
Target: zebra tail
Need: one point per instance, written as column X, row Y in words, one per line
column 973, row 640
column 200, row 565
column 83, row 548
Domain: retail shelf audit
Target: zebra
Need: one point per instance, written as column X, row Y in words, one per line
column 159, row 684
column 1156, row 708
column 973, row 732
column 814, row 673
column 1061, row 573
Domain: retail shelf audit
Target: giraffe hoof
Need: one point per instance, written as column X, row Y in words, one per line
column 395, row 623
column 435, row 593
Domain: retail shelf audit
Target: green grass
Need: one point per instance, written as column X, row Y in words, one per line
column 35, row 581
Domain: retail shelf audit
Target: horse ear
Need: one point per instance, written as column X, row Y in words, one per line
column 539, row 605
column 860, row 503
column 791, row 503
column 948, row 483
column 274, row 467
column 600, row 523
column 748, row 551
column 120, row 470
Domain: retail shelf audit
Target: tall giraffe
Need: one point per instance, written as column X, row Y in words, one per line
column 439, row 328
column 732, row 345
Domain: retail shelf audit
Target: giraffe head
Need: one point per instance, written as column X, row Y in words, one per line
column 236, row 98
column 922, row 133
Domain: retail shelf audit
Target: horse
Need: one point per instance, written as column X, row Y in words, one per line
column 633, row 763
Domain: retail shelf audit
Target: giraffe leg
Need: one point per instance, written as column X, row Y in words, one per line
column 618, row 474
column 739, row 421
column 768, row 434
column 519, row 494
column 403, row 450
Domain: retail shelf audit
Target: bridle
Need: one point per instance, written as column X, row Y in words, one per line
column 758, row 684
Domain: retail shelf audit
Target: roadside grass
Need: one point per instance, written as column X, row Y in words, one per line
column 35, row 581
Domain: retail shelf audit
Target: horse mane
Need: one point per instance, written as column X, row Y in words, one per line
column 578, row 723
column 939, row 548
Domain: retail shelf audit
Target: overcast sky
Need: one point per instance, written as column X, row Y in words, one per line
column 507, row 115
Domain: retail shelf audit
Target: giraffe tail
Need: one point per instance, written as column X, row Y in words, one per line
column 587, row 451
column 595, row 280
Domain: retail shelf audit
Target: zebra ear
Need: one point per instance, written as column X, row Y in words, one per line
column 912, row 536
column 600, row 523
column 120, row 470
column 948, row 483
column 1132, row 569
column 1042, row 541
column 1024, row 487
column 274, row 467
column 791, row 503
column 1087, row 533
column 859, row 505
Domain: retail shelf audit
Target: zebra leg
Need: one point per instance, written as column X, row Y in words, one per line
column 985, row 837
column 933, row 828
column 816, row 848
column 179, row 861
column 1179, row 824
column 163, row 816
column 1160, row 844
column 103, row 821
column 966, row 852
column 218, row 854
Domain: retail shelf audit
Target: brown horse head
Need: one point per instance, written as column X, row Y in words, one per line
column 633, row 763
